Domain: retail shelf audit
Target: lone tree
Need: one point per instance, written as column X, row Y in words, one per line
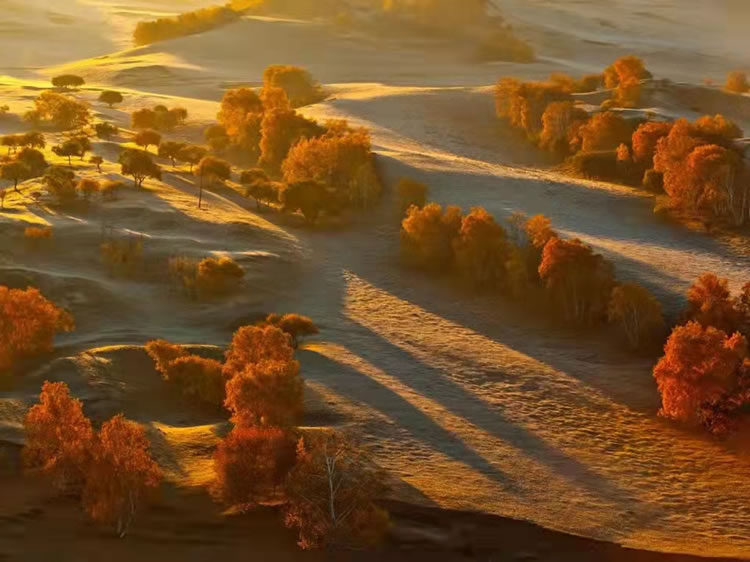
column 147, row 138
column 331, row 494
column 97, row 161
column 15, row 171
column 58, row 438
column 106, row 130
column 122, row 474
column 110, row 97
column 171, row 150
column 192, row 154
column 212, row 169
column 139, row 165
column 66, row 81
column 68, row 149
column 33, row 139
column 60, row 183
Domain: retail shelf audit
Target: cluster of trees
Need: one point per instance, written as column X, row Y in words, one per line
column 111, row 470
column 326, row 482
column 188, row 23
column 697, row 164
column 28, row 325
column 530, row 259
column 704, row 376
column 209, row 277
column 160, row 117
column 25, row 164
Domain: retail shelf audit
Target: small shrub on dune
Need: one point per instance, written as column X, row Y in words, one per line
column 110, row 97
column 37, row 234
column 58, row 438
column 299, row 86
column 737, row 83
column 251, row 463
column 122, row 476
column 171, row 150
column 110, row 189
column 481, row 249
column 637, row 313
column 217, row 276
column 28, row 325
column 411, row 193
column 253, row 344
column 579, row 281
column 188, row 23
column 296, row 326
column 331, row 493
column 200, row 380
column 97, row 161
column 88, row 187
column 427, row 236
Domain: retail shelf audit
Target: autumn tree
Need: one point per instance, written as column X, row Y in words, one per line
column 171, row 150
column 217, row 138
column 217, row 276
column 59, row 110
column 710, row 303
column 637, row 313
column 716, row 129
column 67, row 81
column 737, row 83
column 15, row 171
column 427, row 236
column 88, row 187
column 645, row 139
column 297, row 83
column 260, row 187
column 110, row 97
column 280, row 130
column 58, row 437
column 331, row 493
column 97, row 161
column 60, row 183
column 625, row 77
column 106, row 130
column 296, row 326
column 139, row 165
column 254, row 344
column 558, row 120
column 604, row 131
column 33, row 139
column 68, row 149
column 192, row 154
column 122, row 474
column 311, row 198
column 717, row 183
column 699, row 366
column 481, row 249
column 146, row 138
column 579, row 280
column 250, row 463
column 670, row 159
column 212, row 169
column 34, row 160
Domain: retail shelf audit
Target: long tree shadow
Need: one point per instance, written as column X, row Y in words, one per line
column 359, row 387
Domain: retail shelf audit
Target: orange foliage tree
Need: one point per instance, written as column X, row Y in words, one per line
column 58, row 437
column 559, row 120
column 296, row 326
column 737, row 83
column 579, row 280
column 645, row 138
column 268, row 393
column 253, row 344
column 280, row 130
column 700, row 365
column 331, row 494
column 710, row 303
column 481, row 249
column 411, row 193
column 720, row 188
column 637, row 313
column 427, row 236
column 121, row 476
column 250, row 463
column 604, row 131
column 28, row 325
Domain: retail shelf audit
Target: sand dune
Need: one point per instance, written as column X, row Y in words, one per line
column 470, row 403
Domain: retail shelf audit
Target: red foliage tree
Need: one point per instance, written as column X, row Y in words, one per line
column 253, row 344
column 58, row 437
column 250, row 463
column 645, row 139
column 122, row 474
column 28, row 325
column 710, row 303
column 700, row 365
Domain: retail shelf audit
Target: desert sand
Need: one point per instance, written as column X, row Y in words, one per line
column 468, row 402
